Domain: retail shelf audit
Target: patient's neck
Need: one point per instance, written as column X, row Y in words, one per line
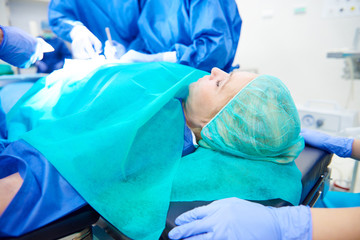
column 195, row 130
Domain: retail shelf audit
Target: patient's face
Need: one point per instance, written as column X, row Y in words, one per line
column 211, row 93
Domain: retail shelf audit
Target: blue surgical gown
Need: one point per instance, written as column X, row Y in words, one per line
column 119, row 15
column 204, row 34
column 55, row 60
column 44, row 195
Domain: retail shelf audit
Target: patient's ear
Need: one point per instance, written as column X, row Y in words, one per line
column 197, row 133
column 203, row 122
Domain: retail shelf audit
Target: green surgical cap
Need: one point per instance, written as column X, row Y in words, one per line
column 260, row 123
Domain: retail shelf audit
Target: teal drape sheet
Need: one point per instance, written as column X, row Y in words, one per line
column 116, row 135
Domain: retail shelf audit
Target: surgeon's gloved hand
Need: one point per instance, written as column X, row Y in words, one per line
column 42, row 67
column 233, row 218
column 113, row 50
column 341, row 146
column 133, row 56
column 59, row 65
column 85, row 44
column 21, row 49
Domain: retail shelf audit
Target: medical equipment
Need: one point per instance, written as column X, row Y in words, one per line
column 113, row 49
column 326, row 116
column 109, row 50
column 331, row 118
column 352, row 58
column 107, row 30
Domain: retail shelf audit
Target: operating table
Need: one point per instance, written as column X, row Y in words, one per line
column 313, row 164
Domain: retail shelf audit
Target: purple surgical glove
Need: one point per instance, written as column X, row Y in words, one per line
column 18, row 47
column 233, row 218
column 42, row 66
column 339, row 145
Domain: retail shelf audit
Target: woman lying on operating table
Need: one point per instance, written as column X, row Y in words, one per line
column 242, row 114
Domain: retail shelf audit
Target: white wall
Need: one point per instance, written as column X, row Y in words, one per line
column 20, row 13
column 293, row 47
column 4, row 13
column 24, row 11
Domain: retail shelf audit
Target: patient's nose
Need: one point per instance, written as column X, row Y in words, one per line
column 216, row 73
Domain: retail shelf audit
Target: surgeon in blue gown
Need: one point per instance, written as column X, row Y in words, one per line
column 83, row 23
column 24, row 164
column 201, row 34
column 53, row 60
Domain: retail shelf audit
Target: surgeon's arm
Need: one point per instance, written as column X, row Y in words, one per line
column 215, row 29
column 64, row 22
column 18, row 48
column 355, row 154
column 1, row 35
column 62, row 18
column 341, row 146
column 341, row 223
column 234, row 218
column 9, row 186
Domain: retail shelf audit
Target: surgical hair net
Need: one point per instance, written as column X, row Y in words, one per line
column 260, row 123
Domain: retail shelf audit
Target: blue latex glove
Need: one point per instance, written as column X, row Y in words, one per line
column 339, row 145
column 85, row 44
column 133, row 56
column 59, row 65
column 42, row 66
column 18, row 48
column 113, row 50
column 233, row 218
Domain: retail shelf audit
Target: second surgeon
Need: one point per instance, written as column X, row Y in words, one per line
column 201, row 34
